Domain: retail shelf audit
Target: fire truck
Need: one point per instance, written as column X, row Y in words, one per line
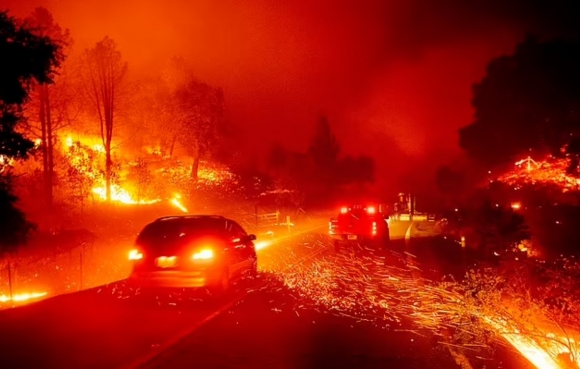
column 360, row 224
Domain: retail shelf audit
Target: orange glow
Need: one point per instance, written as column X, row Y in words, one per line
column 371, row 210
column 135, row 255
column 516, row 205
column 204, row 254
column 22, row 297
column 343, row 210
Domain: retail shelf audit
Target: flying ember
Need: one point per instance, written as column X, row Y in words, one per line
column 372, row 291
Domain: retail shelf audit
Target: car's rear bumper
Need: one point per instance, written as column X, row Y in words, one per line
column 172, row 278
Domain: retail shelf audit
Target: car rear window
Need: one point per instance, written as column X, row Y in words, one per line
column 171, row 231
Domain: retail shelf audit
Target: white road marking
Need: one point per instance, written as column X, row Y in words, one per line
column 151, row 356
column 408, row 233
column 148, row 358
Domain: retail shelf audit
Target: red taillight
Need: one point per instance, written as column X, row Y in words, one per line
column 371, row 210
column 343, row 210
column 203, row 254
column 374, row 228
column 135, row 255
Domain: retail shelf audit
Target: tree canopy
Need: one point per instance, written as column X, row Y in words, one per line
column 26, row 58
column 321, row 168
column 529, row 100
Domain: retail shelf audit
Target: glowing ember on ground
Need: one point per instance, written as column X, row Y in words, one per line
column 551, row 171
column 22, row 297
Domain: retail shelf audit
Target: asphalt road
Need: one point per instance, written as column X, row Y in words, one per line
column 292, row 317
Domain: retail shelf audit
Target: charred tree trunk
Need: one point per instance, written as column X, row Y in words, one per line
column 195, row 166
column 44, row 147
column 108, row 169
column 173, row 140
column 49, row 151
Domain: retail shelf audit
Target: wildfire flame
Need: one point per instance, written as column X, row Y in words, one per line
column 119, row 194
column 22, row 297
column 551, row 171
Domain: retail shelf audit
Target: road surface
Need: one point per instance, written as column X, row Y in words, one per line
column 269, row 324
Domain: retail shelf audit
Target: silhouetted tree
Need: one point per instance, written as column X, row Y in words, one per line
column 141, row 176
column 491, row 228
column 356, row 170
column 50, row 112
column 105, row 83
column 528, row 100
column 175, row 74
column 26, row 58
column 201, row 111
column 449, row 182
column 324, row 151
column 278, row 158
column 14, row 227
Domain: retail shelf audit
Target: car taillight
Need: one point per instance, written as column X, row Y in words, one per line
column 204, row 254
column 343, row 210
column 374, row 228
column 135, row 255
column 371, row 210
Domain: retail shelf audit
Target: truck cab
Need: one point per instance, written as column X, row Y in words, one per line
column 360, row 224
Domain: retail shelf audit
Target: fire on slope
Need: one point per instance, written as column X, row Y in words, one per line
column 77, row 153
column 551, row 171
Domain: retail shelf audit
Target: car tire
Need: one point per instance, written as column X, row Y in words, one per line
column 222, row 284
column 253, row 273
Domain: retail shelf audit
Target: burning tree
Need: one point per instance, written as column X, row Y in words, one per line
column 26, row 58
column 80, row 164
column 141, row 176
column 105, row 80
column 49, row 99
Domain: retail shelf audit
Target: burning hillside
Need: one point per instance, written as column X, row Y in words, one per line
column 142, row 178
column 551, row 172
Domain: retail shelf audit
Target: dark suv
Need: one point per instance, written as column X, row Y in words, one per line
column 193, row 251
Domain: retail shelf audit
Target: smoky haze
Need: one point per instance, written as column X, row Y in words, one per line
column 393, row 77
